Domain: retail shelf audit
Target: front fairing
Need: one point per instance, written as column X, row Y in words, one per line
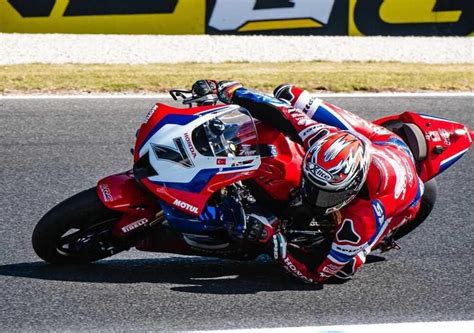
column 186, row 162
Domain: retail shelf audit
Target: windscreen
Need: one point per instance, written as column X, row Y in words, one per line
column 231, row 134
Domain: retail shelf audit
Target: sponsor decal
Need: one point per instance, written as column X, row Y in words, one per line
column 43, row 8
column 331, row 269
column 293, row 17
column 434, row 136
column 150, row 114
column 257, row 15
column 104, row 188
column 410, row 17
column 246, row 150
column 307, row 132
column 177, row 154
column 190, row 144
column 445, row 135
column 308, row 106
column 134, row 225
column 379, row 212
column 347, row 250
column 311, row 107
column 94, row 16
column 320, row 173
column 290, row 267
column 186, row 206
column 275, row 248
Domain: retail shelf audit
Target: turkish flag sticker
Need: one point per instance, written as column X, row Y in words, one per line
column 221, row 161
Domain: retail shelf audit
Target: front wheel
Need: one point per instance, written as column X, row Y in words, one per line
column 78, row 230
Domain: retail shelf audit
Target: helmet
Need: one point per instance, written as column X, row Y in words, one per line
column 334, row 170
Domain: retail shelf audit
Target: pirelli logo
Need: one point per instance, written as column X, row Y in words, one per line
column 312, row 17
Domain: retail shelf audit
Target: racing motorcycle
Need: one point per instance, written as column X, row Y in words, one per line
column 188, row 162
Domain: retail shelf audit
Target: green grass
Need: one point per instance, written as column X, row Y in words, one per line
column 314, row 76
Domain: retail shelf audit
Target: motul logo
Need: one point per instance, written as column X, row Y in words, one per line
column 186, row 206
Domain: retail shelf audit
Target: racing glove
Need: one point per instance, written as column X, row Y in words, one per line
column 204, row 87
column 224, row 89
column 260, row 228
column 289, row 263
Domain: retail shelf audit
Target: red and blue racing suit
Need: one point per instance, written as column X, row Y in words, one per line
column 392, row 190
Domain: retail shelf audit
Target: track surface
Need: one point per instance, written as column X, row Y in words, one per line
column 51, row 149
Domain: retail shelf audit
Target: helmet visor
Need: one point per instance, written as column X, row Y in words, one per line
column 324, row 199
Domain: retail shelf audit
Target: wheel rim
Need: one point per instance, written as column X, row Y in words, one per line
column 90, row 241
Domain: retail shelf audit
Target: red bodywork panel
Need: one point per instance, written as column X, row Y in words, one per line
column 188, row 202
column 156, row 115
column 121, row 193
column 279, row 175
column 447, row 141
column 195, row 202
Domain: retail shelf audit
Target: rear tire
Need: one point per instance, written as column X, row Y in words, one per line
column 428, row 201
column 70, row 232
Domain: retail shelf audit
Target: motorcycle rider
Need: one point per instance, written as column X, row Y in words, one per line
column 361, row 174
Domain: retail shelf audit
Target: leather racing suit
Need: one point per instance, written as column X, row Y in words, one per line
column 389, row 199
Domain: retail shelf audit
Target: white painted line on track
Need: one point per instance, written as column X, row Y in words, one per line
column 432, row 327
column 167, row 96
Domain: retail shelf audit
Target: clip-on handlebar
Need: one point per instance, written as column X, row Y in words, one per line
column 188, row 97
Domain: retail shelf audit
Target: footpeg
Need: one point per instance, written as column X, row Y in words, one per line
column 387, row 244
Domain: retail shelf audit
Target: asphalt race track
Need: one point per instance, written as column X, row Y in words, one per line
column 53, row 148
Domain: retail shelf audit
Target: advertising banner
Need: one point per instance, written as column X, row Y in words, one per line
column 103, row 16
column 271, row 17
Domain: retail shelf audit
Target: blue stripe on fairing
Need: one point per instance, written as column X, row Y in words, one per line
column 183, row 222
column 431, row 116
column 177, row 119
column 447, row 164
column 323, row 115
column 199, row 181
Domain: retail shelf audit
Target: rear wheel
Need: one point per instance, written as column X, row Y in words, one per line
column 427, row 203
column 78, row 230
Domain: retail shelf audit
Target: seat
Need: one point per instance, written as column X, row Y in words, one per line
column 412, row 135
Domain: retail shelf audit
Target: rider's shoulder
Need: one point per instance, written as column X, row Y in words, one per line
column 359, row 210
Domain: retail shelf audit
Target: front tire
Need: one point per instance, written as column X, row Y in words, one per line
column 76, row 231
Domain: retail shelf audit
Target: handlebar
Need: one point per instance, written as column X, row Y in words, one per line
column 189, row 97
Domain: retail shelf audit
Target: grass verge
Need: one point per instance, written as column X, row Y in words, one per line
column 313, row 76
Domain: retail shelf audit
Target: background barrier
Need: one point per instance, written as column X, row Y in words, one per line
column 273, row 17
